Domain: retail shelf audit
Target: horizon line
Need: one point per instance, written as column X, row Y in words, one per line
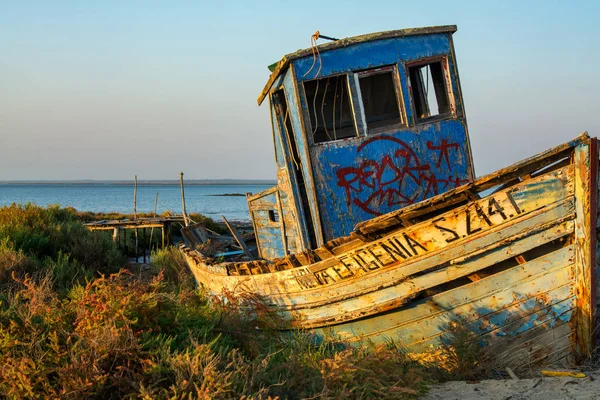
column 139, row 181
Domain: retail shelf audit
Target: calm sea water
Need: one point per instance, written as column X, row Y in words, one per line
column 119, row 198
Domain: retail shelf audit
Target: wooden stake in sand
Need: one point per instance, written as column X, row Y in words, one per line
column 134, row 196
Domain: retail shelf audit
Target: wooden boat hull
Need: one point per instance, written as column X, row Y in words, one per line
column 516, row 266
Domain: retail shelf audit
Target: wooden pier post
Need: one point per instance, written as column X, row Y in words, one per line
column 120, row 231
column 169, row 237
column 144, row 236
column 135, row 214
column 185, row 218
column 134, row 196
column 152, row 229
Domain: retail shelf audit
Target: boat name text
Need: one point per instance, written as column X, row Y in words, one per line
column 406, row 245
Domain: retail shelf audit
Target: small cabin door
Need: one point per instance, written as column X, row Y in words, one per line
column 265, row 211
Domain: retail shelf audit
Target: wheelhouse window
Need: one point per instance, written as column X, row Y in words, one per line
column 379, row 99
column 273, row 216
column 429, row 90
column 329, row 109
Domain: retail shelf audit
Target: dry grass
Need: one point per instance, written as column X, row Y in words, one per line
column 71, row 327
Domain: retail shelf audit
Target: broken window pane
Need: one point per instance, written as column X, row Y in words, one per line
column 273, row 216
column 429, row 90
column 329, row 109
column 380, row 102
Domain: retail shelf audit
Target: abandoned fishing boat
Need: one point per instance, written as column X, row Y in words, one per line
column 378, row 228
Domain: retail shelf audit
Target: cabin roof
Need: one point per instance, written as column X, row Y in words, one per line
column 285, row 61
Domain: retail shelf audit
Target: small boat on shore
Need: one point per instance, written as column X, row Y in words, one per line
column 378, row 229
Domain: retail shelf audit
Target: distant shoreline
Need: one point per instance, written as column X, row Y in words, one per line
column 227, row 195
column 191, row 182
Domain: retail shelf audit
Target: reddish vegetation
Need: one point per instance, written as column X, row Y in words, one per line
column 75, row 324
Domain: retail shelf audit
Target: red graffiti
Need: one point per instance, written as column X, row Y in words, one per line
column 396, row 180
column 443, row 149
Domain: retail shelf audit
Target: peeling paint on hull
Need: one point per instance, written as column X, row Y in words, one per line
column 517, row 267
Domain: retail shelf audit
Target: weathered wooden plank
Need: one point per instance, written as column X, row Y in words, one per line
column 501, row 243
column 533, row 336
column 265, row 206
column 196, row 234
column 323, row 253
column 286, row 183
column 395, row 296
column 347, row 246
column 558, row 311
column 341, row 166
column 124, row 226
column 238, row 238
column 303, row 143
column 258, row 197
column 511, row 312
column 282, row 223
column 546, row 342
column 586, row 190
column 383, row 278
column 560, row 357
column 227, row 238
column 132, row 224
column 549, row 345
column 467, row 300
column 494, row 329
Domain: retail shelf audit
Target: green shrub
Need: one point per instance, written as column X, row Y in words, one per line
column 171, row 263
column 11, row 259
column 35, row 239
column 70, row 328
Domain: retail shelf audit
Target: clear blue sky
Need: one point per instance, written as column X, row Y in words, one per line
column 109, row 89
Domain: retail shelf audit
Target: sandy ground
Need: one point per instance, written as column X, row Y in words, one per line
column 543, row 388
